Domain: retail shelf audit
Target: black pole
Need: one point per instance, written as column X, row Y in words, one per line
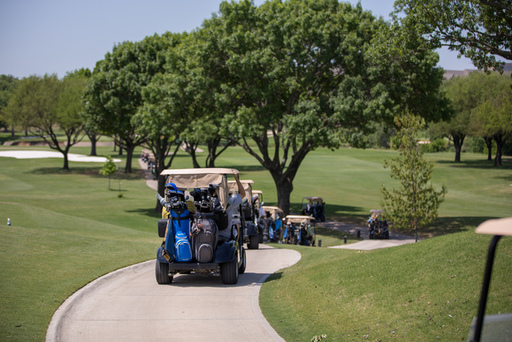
column 485, row 287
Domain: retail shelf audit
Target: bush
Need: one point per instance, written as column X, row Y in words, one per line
column 475, row 145
column 438, row 145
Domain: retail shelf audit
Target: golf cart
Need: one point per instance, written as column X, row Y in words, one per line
column 314, row 206
column 199, row 234
column 491, row 327
column 251, row 232
column 298, row 230
column 378, row 228
column 274, row 213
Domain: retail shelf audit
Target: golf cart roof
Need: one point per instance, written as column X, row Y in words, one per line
column 501, row 226
column 376, row 212
column 201, row 178
column 246, row 184
column 273, row 211
column 314, row 199
column 298, row 218
column 271, row 208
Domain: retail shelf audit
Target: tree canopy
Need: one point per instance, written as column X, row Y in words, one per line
column 296, row 75
column 479, row 30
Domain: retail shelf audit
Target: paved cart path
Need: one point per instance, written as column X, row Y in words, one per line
column 128, row 305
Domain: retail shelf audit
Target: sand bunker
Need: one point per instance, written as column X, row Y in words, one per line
column 49, row 154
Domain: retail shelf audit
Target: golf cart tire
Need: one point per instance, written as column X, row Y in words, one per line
column 229, row 272
column 253, row 242
column 241, row 269
column 162, row 273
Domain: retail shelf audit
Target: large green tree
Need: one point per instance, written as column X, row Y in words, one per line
column 297, row 74
column 163, row 116
column 494, row 110
column 46, row 105
column 7, row 85
column 464, row 94
column 477, row 29
column 415, row 202
column 114, row 92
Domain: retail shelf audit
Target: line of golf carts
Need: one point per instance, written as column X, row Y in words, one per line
column 201, row 231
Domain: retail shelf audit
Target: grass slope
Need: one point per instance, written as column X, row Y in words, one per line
column 420, row 292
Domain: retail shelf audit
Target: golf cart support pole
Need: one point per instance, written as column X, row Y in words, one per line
column 485, row 287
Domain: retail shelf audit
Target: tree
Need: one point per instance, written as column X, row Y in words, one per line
column 43, row 105
column 114, row 92
column 477, row 29
column 108, row 169
column 297, row 74
column 415, row 203
column 7, row 85
column 464, row 94
column 494, row 110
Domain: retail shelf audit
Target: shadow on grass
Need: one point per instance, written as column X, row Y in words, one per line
column 249, row 168
column 478, row 164
column 274, row 276
column 149, row 212
column 446, row 225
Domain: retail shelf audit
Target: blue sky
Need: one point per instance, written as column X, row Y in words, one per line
column 57, row 36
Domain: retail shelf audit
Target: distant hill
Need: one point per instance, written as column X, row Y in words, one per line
column 448, row 74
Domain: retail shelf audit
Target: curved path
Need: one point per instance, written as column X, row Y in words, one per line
column 128, row 305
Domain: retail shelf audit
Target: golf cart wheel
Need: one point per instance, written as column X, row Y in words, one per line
column 253, row 242
column 229, row 272
column 162, row 273
column 243, row 261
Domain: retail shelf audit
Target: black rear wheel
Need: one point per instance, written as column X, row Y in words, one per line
column 243, row 262
column 253, row 242
column 229, row 272
column 162, row 273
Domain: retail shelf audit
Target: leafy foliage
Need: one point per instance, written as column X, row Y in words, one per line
column 108, row 169
column 476, row 29
column 415, row 203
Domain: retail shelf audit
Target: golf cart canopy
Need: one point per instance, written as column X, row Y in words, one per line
column 201, row 178
column 298, row 219
column 314, row 199
column 246, row 184
column 274, row 211
column 501, row 227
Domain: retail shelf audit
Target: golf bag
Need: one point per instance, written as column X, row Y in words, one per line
column 204, row 237
column 177, row 240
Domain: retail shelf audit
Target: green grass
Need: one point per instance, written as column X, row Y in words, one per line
column 68, row 229
column 419, row 292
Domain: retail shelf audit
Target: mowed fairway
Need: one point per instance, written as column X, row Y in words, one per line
column 68, row 228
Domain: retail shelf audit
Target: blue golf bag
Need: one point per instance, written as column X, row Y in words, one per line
column 177, row 240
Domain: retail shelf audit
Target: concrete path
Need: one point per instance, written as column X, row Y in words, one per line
column 128, row 305
column 395, row 239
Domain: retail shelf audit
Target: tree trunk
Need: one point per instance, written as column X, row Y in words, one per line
column 66, row 161
column 94, row 139
column 458, row 140
column 129, row 157
column 284, row 190
column 500, row 141
column 488, row 142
